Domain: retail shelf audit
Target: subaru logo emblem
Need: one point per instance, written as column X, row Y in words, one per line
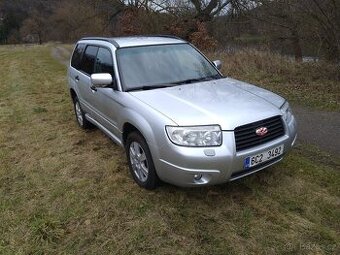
column 262, row 131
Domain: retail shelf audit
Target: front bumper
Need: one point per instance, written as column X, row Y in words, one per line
column 187, row 166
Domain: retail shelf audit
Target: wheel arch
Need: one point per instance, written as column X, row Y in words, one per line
column 73, row 94
column 128, row 128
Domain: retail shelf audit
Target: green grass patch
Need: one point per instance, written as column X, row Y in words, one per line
column 66, row 191
column 39, row 109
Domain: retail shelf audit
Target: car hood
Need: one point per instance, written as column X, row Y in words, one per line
column 226, row 102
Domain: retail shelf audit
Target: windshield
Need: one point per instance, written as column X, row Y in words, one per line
column 154, row 66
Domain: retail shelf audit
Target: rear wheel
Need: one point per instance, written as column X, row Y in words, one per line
column 80, row 115
column 140, row 161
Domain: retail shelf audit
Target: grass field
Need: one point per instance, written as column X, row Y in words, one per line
column 66, row 191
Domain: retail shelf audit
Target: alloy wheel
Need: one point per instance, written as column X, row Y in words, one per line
column 79, row 114
column 139, row 161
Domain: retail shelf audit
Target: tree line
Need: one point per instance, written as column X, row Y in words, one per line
column 297, row 27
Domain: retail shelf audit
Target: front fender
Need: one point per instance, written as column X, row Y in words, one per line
column 151, row 127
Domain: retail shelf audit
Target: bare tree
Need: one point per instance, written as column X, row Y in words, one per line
column 279, row 18
column 324, row 15
column 32, row 29
column 207, row 10
column 299, row 22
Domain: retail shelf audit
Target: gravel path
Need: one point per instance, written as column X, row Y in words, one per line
column 59, row 53
column 317, row 128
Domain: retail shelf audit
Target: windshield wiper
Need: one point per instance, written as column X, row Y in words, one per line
column 165, row 85
column 150, row 87
column 208, row 78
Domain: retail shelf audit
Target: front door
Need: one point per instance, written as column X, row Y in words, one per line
column 106, row 99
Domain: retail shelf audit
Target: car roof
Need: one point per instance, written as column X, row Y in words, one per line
column 135, row 41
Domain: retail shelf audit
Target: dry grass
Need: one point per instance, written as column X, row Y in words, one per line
column 314, row 84
column 66, row 191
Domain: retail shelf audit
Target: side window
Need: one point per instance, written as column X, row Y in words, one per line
column 77, row 55
column 89, row 58
column 104, row 62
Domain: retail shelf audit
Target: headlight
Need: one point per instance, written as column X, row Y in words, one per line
column 197, row 136
column 287, row 112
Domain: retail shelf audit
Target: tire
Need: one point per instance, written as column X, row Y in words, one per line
column 140, row 161
column 80, row 115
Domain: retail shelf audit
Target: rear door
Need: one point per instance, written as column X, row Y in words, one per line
column 73, row 71
column 86, row 93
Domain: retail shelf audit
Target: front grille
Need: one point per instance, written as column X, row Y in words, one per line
column 246, row 137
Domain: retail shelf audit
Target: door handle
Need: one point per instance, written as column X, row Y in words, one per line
column 93, row 88
column 76, row 78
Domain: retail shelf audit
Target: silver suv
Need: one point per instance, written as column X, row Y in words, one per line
column 178, row 118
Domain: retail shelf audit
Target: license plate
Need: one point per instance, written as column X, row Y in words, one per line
column 263, row 157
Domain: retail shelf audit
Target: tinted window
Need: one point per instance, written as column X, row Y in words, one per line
column 104, row 62
column 89, row 58
column 77, row 55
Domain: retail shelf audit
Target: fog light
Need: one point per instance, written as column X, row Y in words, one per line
column 198, row 177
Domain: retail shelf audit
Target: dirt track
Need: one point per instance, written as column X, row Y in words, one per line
column 59, row 54
column 317, row 128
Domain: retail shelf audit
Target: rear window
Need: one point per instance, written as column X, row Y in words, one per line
column 88, row 60
column 77, row 55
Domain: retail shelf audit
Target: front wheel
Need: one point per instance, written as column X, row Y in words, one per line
column 140, row 161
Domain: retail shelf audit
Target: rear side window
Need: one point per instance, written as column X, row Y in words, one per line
column 104, row 62
column 89, row 58
column 77, row 55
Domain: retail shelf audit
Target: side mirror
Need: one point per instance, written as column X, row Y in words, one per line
column 101, row 80
column 218, row 64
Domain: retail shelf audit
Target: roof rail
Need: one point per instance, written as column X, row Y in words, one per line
column 162, row 35
column 105, row 39
column 111, row 40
